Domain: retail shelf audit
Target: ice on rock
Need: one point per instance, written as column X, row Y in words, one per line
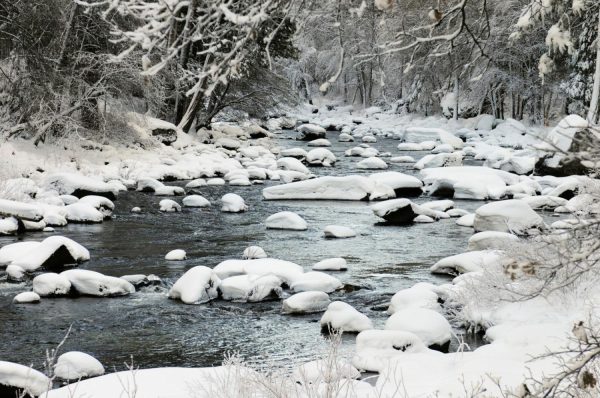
column 491, row 240
column 83, row 213
column 472, row 261
column 338, row 231
column 53, row 252
column 75, row 365
column 401, row 211
column 22, row 378
column 51, row 284
column 321, row 157
column 467, row 220
column 286, row 220
column 513, row 216
column 287, row 271
column 331, row 264
column 316, row 281
column 344, row 318
column 376, row 349
column 429, row 325
column 351, row 187
column 232, row 203
column 15, row 273
column 100, row 203
column 195, row 201
column 198, row 285
column 80, row 186
column 169, row 206
column 372, row 163
column 418, row 296
column 321, row 142
column 306, row 303
column 26, row 298
column 324, row 371
column 176, row 255
column 91, row 283
column 251, row 288
column 402, row 184
column 254, row 252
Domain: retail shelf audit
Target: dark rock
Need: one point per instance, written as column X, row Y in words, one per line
column 80, row 193
column 166, row 136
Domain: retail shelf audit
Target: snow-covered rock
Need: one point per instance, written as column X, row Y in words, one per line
column 22, row 378
column 321, row 142
column 79, row 186
column 26, row 211
column 514, row 216
column 169, row 206
column 439, row 160
column 93, row 283
column 316, row 281
column 321, row 157
column 376, row 349
column 198, row 285
column 287, row 271
column 491, row 240
column 176, row 255
column 232, row 203
column 401, row 211
column 83, row 213
column 15, row 273
column 351, row 187
column 343, row 317
column 402, row 159
column 53, row 252
column 51, row 284
column 10, row 226
column 292, row 164
column 418, row 296
column 197, row 183
column 286, row 220
column 26, row 298
column 331, row 264
column 100, row 203
column 466, row 221
column 402, row 184
column 75, row 365
column 298, row 153
column 372, row 163
column 254, row 252
column 324, row 371
column 338, row 231
column 472, row 261
column 306, row 303
column 309, row 132
column 136, row 210
column 158, row 188
column 251, row 288
column 195, row 201
column 429, row 325
column 345, row 137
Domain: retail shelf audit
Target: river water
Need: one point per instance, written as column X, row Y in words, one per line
column 156, row 331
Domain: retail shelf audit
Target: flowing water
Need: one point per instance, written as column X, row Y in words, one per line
column 156, row 331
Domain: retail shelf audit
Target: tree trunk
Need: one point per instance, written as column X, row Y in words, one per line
column 456, row 93
column 593, row 111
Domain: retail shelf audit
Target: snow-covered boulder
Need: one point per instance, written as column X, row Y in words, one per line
column 11, row 226
column 345, row 137
column 472, row 261
column 491, row 240
column 514, row 216
column 323, row 371
column 53, row 252
column 91, row 283
column 286, row 220
column 198, row 285
column 215, row 182
column 372, row 163
column 14, row 273
column 351, row 187
column 306, row 303
column 316, row 281
column 83, row 213
column 338, row 231
column 100, row 203
column 331, row 264
column 195, row 201
column 197, row 183
column 402, row 159
column 232, row 203
column 402, row 184
column 559, row 142
column 321, row 157
column 51, row 284
column 429, row 325
column 287, row 271
column 401, row 211
column 79, row 186
column 344, row 318
column 16, row 379
column 251, row 288
column 321, row 142
column 419, row 134
column 26, row 298
column 418, row 296
column 439, row 160
column 176, row 255
column 75, row 365
column 298, row 153
column 466, row 220
column 25, row 211
column 309, row 132
column 158, row 188
column 292, row 164
column 254, row 252
column 376, row 349
column 135, row 210
column 169, row 206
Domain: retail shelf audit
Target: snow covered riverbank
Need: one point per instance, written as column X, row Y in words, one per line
column 517, row 331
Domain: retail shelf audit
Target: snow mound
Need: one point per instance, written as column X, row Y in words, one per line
column 75, row 365
column 321, row 157
column 83, row 213
column 402, row 184
column 176, row 255
column 316, row 281
column 306, row 303
column 473, row 261
column 418, row 296
column 331, row 264
column 233, row 203
column 169, row 206
column 198, row 285
column 286, row 220
column 254, row 252
column 401, row 211
column 26, row 298
column 514, row 216
column 320, row 142
column 93, row 283
column 343, row 317
column 491, row 240
column 79, row 186
column 195, row 201
column 22, row 210
column 100, row 203
column 338, row 231
column 375, row 349
column 430, row 326
column 324, row 371
column 51, row 284
column 251, row 288
column 372, row 163
column 158, row 188
column 53, row 252
column 287, row 271
column 23, row 378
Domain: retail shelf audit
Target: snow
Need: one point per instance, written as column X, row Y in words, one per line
column 466, row 221
column 491, row 240
column 514, row 216
column 343, row 317
column 306, row 303
column 375, row 349
column 54, row 251
column 331, row 264
column 195, row 201
column 198, row 285
column 316, row 281
column 23, row 377
column 92, row 283
column 399, row 182
column 287, row 271
column 136, row 210
column 372, row 163
column 254, row 252
column 176, row 255
column 26, row 298
column 324, row 371
column 197, row 183
column 15, row 273
column 232, row 203
column 338, row 231
column 22, row 210
column 79, row 185
column 351, row 187
column 251, row 288
column 321, row 142
column 9, row 226
column 440, row 160
column 429, row 325
column 158, row 188
column 401, row 211
column 100, row 203
column 286, row 220
column 544, row 201
column 75, row 365
column 418, row 296
column 83, row 213
column 51, row 284
column 169, row 206
column 472, row 261
column 321, row 156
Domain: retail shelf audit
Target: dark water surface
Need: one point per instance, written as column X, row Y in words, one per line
column 157, row 331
